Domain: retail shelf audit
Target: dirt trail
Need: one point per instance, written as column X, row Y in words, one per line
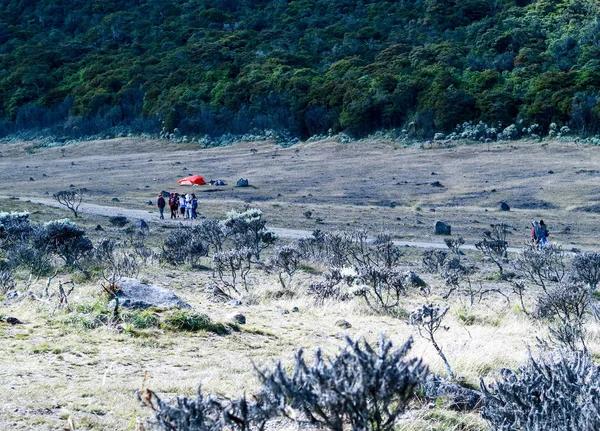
column 287, row 233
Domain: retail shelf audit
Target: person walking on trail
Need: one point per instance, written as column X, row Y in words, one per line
column 161, row 206
column 188, row 208
column 194, row 206
column 182, row 204
column 173, row 205
column 539, row 233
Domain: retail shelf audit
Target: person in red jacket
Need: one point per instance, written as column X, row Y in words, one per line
column 161, row 206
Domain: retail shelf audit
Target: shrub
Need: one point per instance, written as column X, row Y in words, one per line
column 65, row 239
column 70, row 199
column 14, row 228
column 183, row 245
column 494, row 245
column 284, row 260
column 212, row 232
column 332, row 288
column 560, row 393
column 7, row 282
column 363, row 388
column 248, row 230
column 382, row 287
column 118, row 221
column 587, row 268
column 433, row 260
column 565, row 308
column 541, row 266
column 231, row 267
column 191, row 321
column 313, row 246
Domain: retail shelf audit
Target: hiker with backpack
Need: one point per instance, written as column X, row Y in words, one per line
column 173, row 204
column 161, row 206
column 194, row 206
column 539, row 233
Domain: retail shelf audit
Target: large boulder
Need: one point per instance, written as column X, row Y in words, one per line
column 133, row 293
column 442, row 228
column 504, row 206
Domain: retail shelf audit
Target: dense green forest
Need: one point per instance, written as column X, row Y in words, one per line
column 303, row 66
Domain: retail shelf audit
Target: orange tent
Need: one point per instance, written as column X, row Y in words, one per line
column 192, row 180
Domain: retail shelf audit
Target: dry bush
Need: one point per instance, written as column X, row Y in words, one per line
column 494, row 245
column 542, row 267
column 559, row 394
column 232, row 267
column 183, row 245
column 284, row 260
column 587, row 268
column 433, row 260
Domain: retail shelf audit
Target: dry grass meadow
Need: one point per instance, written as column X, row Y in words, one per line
column 56, row 373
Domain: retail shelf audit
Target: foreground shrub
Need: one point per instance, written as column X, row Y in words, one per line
column 183, row 245
column 559, row 394
column 361, row 388
column 66, row 240
column 587, row 268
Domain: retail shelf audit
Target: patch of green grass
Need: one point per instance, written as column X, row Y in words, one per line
column 191, row 321
column 308, row 269
column 141, row 319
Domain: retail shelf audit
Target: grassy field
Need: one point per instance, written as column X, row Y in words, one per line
column 61, row 368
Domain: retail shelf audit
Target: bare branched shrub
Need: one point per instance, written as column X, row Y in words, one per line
column 587, row 268
column 386, row 252
column 248, row 230
column 183, row 245
column 457, row 278
column 7, row 282
column 212, row 232
column 382, row 287
column 31, row 253
column 494, row 245
column 542, row 267
column 559, row 394
column 433, row 260
column 428, row 319
column 338, row 248
column 454, row 245
column 284, row 260
column 361, row 388
column 232, row 267
column 565, row 307
column 214, row 413
column 333, row 287
column 313, row 246
column 70, row 198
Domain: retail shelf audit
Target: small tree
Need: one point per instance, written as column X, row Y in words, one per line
column 70, row 199
column 212, row 232
column 541, row 267
column 65, row 239
column 284, row 260
column 494, row 245
column 428, row 319
column 454, row 245
column 248, row 230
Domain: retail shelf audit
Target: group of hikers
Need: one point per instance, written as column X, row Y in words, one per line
column 182, row 205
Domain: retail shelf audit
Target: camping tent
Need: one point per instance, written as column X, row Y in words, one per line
column 192, row 180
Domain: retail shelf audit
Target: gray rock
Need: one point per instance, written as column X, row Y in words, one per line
column 343, row 324
column 414, row 279
column 504, row 207
column 457, row 397
column 136, row 294
column 13, row 294
column 237, row 318
column 235, row 302
column 295, row 310
column 442, row 228
column 142, row 225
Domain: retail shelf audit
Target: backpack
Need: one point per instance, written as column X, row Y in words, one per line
column 537, row 231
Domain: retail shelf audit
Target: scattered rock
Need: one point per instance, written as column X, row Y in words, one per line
column 142, row 225
column 412, row 278
column 504, row 206
column 165, row 194
column 235, row 302
column 437, row 184
column 242, row 182
column 13, row 294
column 458, row 397
column 13, row 321
column 550, row 172
column 442, row 228
column 118, row 220
column 149, row 202
column 31, row 179
column 237, row 318
column 343, row 324
column 72, row 163
column 133, row 293
column 295, row 310
column 115, row 200
column 98, row 228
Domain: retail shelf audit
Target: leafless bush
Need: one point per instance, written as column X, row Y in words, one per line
column 361, row 388
column 332, row 288
column 284, row 260
column 542, row 267
column 433, row 260
column 386, row 252
column 587, row 268
column 559, row 394
column 70, row 198
column 565, row 307
column 313, row 246
column 457, row 278
column 454, row 245
column 212, row 232
column 214, row 413
column 428, row 319
column 338, row 246
column 7, row 282
column 494, row 245
column 183, row 246
column 382, row 287
column 232, row 267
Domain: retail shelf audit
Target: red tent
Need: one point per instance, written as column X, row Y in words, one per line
column 192, row 180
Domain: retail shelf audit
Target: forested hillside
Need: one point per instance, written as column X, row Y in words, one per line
column 304, row 66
